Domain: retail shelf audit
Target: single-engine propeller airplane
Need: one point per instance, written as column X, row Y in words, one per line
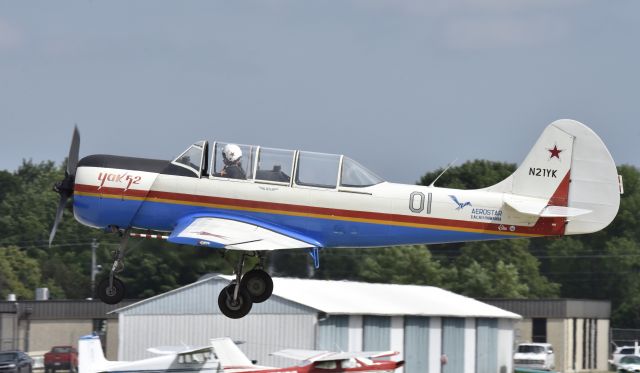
column 256, row 199
column 222, row 355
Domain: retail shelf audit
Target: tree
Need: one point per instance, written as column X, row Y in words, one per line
column 510, row 268
column 401, row 265
column 476, row 264
column 470, row 175
column 19, row 274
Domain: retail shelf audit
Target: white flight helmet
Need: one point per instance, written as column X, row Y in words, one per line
column 231, row 153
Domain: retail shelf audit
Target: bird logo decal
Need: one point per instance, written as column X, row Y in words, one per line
column 461, row 205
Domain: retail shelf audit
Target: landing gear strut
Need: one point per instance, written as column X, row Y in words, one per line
column 235, row 300
column 111, row 289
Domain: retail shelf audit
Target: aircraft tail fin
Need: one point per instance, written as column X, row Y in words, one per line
column 229, row 353
column 568, row 173
column 90, row 355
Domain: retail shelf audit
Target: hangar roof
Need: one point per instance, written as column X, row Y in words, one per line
column 348, row 297
column 360, row 298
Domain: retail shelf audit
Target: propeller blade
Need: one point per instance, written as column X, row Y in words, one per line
column 61, row 206
column 74, row 150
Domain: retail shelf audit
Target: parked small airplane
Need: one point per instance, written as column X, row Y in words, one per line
column 224, row 356
column 256, row 199
column 327, row 361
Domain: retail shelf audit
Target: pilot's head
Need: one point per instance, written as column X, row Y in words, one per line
column 231, row 154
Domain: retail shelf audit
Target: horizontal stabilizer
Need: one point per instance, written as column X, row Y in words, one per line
column 526, row 205
column 538, row 207
column 562, row 211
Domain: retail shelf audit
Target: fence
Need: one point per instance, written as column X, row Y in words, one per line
column 623, row 337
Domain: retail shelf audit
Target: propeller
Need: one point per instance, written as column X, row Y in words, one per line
column 65, row 187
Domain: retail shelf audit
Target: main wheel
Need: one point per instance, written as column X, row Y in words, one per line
column 110, row 294
column 259, row 285
column 234, row 309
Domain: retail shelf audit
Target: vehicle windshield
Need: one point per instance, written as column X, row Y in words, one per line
column 531, row 349
column 7, row 357
column 630, row 360
column 355, row 175
column 61, row 350
column 192, row 157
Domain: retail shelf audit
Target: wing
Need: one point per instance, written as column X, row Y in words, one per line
column 312, row 355
column 178, row 350
column 236, row 233
column 302, row 355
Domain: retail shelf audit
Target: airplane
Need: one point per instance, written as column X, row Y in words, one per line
column 324, row 361
column 255, row 199
column 222, row 355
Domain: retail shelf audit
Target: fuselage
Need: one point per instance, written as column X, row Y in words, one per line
column 153, row 195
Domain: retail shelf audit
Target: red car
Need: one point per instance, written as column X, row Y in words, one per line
column 61, row 358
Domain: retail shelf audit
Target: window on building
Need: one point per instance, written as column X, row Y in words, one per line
column 539, row 330
column 100, row 329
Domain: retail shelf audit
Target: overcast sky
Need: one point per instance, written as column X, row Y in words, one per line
column 404, row 87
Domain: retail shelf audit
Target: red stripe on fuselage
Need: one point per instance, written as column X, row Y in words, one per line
column 544, row 226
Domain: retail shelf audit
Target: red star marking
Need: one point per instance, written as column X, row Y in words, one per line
column 555, row 152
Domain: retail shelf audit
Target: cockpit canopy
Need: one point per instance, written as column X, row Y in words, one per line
column 276, row 166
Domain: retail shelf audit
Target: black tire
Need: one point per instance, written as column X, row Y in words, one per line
column 259, row 285
column 238, row 309
column 110, row 295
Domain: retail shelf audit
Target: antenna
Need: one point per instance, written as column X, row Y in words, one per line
column 443, row 171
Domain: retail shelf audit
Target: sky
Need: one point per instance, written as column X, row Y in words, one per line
column 403, row 87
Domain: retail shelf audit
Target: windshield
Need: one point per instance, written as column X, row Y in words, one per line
column 531, row 349
column 61, row 350
column 192, row 157
column 355, row 175
column 7, row 357
column 630, row 360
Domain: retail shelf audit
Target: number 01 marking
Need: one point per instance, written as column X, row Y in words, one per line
column 416, row 202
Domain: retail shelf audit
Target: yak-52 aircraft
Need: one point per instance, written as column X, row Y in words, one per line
column 256, row 199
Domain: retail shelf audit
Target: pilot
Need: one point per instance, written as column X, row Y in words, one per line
column 231, row 154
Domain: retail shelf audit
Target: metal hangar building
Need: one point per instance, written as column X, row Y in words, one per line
column 427, row 325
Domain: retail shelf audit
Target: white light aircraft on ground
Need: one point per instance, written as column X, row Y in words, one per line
column 255, row 199
column 224, row 356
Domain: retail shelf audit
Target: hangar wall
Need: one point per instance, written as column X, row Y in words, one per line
column 468, row 343
column 189, row 315
column 61, row 332
column 261, row 334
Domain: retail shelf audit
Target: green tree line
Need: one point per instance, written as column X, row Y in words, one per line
column 604, row 265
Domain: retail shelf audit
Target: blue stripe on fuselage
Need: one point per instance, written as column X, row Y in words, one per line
column 101, row 212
